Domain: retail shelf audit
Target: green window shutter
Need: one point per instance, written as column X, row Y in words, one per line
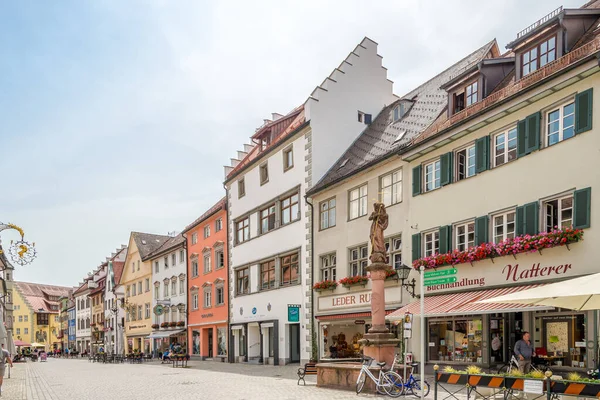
column 446, row 168
column 481, row 230
column 416, row 183
column 445, row 239
column 582, row 208
column 583, row 111
column 533, row 132
column 482, row 154
column 416, row 246
column 521, row 139
column 531, row 218
column 520, row 227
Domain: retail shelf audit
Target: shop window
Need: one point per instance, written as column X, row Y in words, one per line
column 357, row 199
column 456, row 340
column 431, row 242
column 267, row 273
column 195, row 342
column 558, row 213
column 328, row 267
column 358, row 261
column 390, row 188
column 242, row 344
column 327, row 213
column 271, row 342
column 222, row 341
column 504, row 226
column 563, row 338
column 560, row 123
column 242, row 284
column 289, row 269
column 465, row 235
column 465, row 163
column 393, row 246
column 505, row 147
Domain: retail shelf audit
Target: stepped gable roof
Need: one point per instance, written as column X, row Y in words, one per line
column 37, row 295
column 384, row 137
column 220, row 205
column 148, row 243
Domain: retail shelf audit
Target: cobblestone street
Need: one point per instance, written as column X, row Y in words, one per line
column 78, row 379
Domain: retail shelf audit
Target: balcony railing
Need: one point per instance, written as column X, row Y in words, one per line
column 539, row 22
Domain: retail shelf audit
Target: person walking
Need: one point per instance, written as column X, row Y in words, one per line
column 4, row 358
column 524, row 352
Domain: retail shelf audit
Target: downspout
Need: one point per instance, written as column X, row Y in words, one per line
column 313, row 333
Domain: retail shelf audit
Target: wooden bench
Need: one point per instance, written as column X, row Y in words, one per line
column 308, row 369
column 179, row 361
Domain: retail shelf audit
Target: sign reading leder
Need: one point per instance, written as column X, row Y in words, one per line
column 361, row 300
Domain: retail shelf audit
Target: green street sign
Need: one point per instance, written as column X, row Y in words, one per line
column 440, row 281
column 441, row 272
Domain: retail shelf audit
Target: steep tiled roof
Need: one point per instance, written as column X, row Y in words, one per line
column 118, row 270
column 220, row 205
column 170, row 244
column 35, row 295
column 380, row 139
column 148, row 243
column 100, row 288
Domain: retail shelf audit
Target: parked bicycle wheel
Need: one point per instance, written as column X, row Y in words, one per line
column 504, row 370
column 392, row 384
column 360, row 383
column 416, row 387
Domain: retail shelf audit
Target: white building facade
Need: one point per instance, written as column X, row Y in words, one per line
column 114, row 314
column 84, row 313
column 269, row 229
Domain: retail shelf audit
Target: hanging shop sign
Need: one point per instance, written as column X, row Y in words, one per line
column 359, row 322
column 293, row 312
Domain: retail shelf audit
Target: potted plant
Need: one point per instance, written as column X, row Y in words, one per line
column 391, row 274
column 164, row 325
column 325, row 285
column 155, row 326
column 181, row 323
column 350, row 281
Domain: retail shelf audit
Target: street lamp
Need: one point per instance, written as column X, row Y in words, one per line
column 403, row 273
column 115, row 312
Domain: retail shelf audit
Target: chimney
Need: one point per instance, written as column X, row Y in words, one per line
column 276, row 116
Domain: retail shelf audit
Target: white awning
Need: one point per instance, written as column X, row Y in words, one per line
column 163, row 334
column 237, row 327
column 266, row 325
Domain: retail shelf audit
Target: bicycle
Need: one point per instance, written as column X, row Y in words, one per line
column 513, row 363
column 384, row 383
column 412, row 384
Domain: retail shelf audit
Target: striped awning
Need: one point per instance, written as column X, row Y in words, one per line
column 465, row 303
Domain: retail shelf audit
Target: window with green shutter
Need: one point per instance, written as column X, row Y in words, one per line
column 446, row 168
column 416, row 180
column 582, row 199
column 445, row 239
column 528, row 134
column 481, row 230
column 583, row 111
column 482, row 154
column 531, row 218
column 521, row 139
column 416, row 246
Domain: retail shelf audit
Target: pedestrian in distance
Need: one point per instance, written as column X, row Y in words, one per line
column 524, row 352
column 4, row 358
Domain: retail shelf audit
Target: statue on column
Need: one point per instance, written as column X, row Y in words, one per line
column 380, row 223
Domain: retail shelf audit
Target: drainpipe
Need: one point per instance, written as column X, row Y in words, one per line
column 312, row 281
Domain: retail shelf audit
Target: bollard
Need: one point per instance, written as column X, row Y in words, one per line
column 435, row 380
column 548, row 385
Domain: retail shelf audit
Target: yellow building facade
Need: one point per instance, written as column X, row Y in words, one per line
column 136, row 278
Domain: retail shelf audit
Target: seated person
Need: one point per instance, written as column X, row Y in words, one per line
column 166, row 356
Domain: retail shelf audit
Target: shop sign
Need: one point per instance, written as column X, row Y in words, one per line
column 293, row 312
column 359, row 322
column 360, row 300
column 209, row 315
column 137, row 326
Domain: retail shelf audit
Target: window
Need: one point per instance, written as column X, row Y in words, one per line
column 147, row 310
column 358, row 202
column 503, row 226
column 20, row 318
column 166, row 291
column 539, row 56
column 241, row 188
column 328, row 264
column 465, row 163
column 432, row 243
column 393, row 246
column 242, row 283
column 399, row 111
column 288, row 158
column 560, row 124
column 140, row 313
column 218, row 225
column 207, row 267
column 174, row 288
column 290, row 209
column 173, row 259
column 220, row 296
column 289, row 269
column 18, row 331
column 194, row 268
column 505, row 147
column 147, row 284
column 128, row 294
column 267, row 219
column 358, row 261
column 458, row 101
column 138, row 265
column 194, row 238
column 181, row 286
column 133, row 290
column 195, row 301
column 267, row 274
column 361, row 116
column 471, row 93
column 133, row 266
column 156, row 292
column 26, row 331
column 207, row 299
column 26, row 318
column 243, row 230
column 465, row 236
column 206, row 231
column 166, row 262
column 432, row 176
column 181, row 256
column 327, row 213
column 219, row 259
column 390, row 188
column 140, row 287
column 264, row 173
column 558, row 213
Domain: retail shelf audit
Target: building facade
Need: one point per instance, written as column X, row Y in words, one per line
column 72, row 327
column 169, row 298
column 7, row 273
column 207, row 284
column 98, row 305
column 114, row 314
column 83, row 309
column 270, row 284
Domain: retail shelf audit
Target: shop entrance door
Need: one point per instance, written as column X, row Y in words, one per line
column 210, row 343
column 295, row 343
column 498, row 343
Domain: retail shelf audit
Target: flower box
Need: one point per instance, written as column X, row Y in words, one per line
column 181, row 323
column 325, row 285
column 172, row 324
column 164, row 325
column 517, row 245
column 155, row 326
column 350, row 281
column 391, row 275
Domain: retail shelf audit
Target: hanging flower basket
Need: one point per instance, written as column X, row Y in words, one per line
column 325, row 285
column 517, row 245
column 350, row 281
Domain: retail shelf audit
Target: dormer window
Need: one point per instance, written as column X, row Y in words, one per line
column 471, row 93
column 458, row 102
column 399, row 111
column 538, row 56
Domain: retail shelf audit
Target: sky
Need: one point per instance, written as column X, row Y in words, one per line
column 118, row 115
